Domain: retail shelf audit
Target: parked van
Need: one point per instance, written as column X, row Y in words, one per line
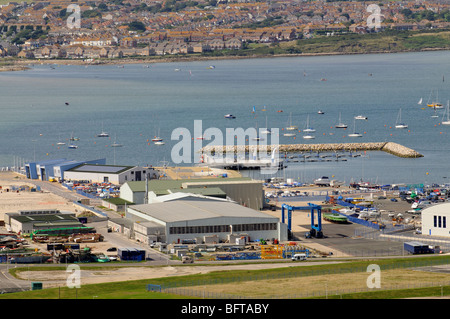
column 299, row 257
column 187, row 260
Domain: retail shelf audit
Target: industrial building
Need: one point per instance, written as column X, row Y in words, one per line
column 435, row 220
column 203, row 220
column 114, row 174
column 55, row 168
column 244, row 191
column 25, row 222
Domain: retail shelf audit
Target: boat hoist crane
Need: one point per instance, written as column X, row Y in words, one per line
column 316, row 229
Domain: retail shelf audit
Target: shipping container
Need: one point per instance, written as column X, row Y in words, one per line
column 417, row 248
column 132, row 254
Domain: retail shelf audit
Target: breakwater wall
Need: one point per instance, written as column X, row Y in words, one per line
column 388, row 147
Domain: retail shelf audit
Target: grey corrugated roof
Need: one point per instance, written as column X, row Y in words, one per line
column 180, row 210
column 161, row 186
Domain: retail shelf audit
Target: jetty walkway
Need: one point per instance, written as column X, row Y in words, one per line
column 388, row 147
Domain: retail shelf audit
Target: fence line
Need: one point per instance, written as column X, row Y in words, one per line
column 297, row 273
column 325, row 292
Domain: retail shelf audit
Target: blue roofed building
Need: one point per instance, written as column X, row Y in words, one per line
column 54, row 168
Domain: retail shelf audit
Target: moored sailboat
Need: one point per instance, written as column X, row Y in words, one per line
column 399, row 123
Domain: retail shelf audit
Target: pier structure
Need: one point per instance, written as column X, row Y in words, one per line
column 388, row 147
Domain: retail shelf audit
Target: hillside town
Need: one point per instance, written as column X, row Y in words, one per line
column 130, row 28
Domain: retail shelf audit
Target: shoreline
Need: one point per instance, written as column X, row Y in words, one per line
column 22, row 65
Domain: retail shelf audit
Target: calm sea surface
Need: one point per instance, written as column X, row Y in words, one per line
column 136, row 102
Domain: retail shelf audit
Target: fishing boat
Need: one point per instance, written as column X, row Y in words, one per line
column 340, row 124
column 446, row 112
column 230, row 116
column 399, row 123
column 320, row 112
column 291, row 127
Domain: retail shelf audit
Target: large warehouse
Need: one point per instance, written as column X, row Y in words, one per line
column 435, row 220
column 55, row 168
column 115, row 174
column 203, row 220
column 244, row 191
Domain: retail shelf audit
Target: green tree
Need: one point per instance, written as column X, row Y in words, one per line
column 136, row 26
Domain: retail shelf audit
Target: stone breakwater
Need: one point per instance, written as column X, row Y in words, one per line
column 388, row 147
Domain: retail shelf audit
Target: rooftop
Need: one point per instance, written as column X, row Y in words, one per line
column 195, row 209
column 161, row 187
column 95, row 168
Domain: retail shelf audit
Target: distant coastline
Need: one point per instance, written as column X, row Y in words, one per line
column 18, row 64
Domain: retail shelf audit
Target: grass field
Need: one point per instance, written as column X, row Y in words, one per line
column 343, row 280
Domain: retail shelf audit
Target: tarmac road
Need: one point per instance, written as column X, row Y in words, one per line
column 10, row 284
column 341, row 237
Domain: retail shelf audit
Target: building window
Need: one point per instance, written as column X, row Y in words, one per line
column 435, row 221
column 222, row 228
column 439, row 222
column 444, row 222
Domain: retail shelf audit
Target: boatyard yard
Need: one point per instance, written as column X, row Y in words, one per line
column 340, row 239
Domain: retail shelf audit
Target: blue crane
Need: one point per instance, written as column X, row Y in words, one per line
column 316, row 229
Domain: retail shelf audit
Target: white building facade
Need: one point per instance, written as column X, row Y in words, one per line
column 436, row 220
column 201, row 219
column 113, row 174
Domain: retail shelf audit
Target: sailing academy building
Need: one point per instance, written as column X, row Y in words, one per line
column 200, row 218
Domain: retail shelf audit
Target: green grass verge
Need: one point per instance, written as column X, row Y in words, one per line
column 137, row 289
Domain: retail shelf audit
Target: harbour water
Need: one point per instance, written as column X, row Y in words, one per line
column 49, row 103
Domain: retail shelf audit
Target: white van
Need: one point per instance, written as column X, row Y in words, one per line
column 299, row 257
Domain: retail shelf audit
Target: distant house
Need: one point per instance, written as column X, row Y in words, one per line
column 233, row 44
column 26, row 54
column 358, row 28
column 50, row 52
column 216, row 44
column 147, row 51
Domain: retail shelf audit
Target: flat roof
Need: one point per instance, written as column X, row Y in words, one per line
column 180, row 210
column 97, row 168
column 44, row 218
column 162, row 186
